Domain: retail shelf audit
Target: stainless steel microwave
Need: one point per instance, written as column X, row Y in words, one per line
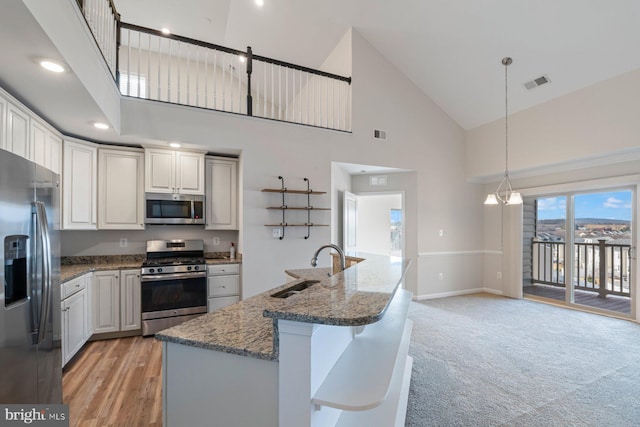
column 174, row 209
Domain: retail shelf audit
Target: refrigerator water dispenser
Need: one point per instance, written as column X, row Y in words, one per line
column 15, row 269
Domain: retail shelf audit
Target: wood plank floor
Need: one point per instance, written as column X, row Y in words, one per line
column 590, row 299
column 115, row 382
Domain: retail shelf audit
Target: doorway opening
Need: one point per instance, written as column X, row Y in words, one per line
column 577, row 249
column 374, row 223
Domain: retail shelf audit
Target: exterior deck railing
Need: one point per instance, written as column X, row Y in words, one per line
column 180, row 70
column 594, row 263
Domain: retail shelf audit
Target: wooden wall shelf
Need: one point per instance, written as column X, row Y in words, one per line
column 284, row 207
column 285, row 190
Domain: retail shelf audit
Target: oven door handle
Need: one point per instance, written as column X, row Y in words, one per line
column 172, row 276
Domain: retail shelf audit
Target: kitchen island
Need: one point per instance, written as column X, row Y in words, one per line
column 331, row 354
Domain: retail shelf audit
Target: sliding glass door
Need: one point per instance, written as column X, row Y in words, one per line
column 579, row 249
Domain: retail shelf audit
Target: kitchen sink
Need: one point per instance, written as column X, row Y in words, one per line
column 294, row 289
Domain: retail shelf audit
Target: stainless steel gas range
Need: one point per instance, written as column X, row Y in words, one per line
column 174, row 283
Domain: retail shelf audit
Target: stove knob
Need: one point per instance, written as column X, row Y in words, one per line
column 159, row 270
column 151, row 270
column 189, row 268
column 196, row 267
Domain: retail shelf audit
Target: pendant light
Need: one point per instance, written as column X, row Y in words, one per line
column 504, row 193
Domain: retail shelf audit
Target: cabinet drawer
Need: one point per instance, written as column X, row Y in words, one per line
column 223, row 285
column 216, row 303
column 219, row 269
column 72, row 286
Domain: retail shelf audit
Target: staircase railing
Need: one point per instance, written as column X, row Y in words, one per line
column 103, row 21
column 180, row 70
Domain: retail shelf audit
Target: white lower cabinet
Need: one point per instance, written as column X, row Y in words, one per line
column 76, row 310
column 223, row 285
column 130, row 304
column 116, row 301
column 106, row 301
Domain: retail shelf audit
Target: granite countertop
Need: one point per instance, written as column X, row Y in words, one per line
column 77, row 266
column 357, row 296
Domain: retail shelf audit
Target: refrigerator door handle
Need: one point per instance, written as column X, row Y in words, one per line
column 42, row 230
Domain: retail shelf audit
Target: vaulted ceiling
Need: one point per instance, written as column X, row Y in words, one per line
column 451, row 50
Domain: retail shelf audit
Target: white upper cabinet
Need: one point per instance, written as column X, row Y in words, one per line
column 120, row 189
column 17, row 139
column 79, row 198
column 160, row 175
column 54, row 152
column 46, row 146
column 23, row 133
column 3, row 123
column 39, row 141
column 190, row 172
column 170, row 171
column 222, row 194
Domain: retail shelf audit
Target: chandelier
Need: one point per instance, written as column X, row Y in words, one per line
column 504, row 193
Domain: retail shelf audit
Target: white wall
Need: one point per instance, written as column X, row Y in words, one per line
column 107, row 242
column 340, row 182
column 584, row 140
column 586, row 124
column 423, row 138
column 373, row 234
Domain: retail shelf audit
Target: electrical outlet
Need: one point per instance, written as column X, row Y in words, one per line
column 440, row 276
column 216, row 241
column 123, row 242
column 441, row 233
column 499, row 274
column 277, row 233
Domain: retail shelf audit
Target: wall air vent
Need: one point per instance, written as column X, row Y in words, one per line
column 380, row 134
column 537, row 82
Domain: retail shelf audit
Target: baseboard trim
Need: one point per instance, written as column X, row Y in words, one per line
column 456, row 293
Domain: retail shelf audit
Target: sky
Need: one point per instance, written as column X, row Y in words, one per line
column 607, row 205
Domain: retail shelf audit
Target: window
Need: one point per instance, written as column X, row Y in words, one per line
column 133, row 85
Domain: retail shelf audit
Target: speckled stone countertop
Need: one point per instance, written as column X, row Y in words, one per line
column 357, row 296
column 72, row 267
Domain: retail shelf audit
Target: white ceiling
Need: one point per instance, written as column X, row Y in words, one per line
column 451, row 49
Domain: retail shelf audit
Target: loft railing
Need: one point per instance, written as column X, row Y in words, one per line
column 103, row 21
column 595, row 264
column 180, row 70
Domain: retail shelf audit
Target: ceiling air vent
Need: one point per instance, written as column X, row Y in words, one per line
column 537, row 82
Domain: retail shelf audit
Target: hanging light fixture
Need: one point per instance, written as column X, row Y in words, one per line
column 504, row 193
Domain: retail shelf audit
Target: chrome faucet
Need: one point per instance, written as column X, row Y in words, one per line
column 343, row 262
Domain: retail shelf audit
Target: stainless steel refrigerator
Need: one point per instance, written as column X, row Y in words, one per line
column 30, row 361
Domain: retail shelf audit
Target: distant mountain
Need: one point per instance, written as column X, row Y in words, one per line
column 583, row 221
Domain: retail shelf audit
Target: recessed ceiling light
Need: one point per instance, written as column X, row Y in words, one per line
column 101, row 126
column 52, row 66
column 260, row 2
column 174, row 145
column 165, row 31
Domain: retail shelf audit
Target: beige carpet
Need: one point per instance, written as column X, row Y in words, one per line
column 484, row 360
